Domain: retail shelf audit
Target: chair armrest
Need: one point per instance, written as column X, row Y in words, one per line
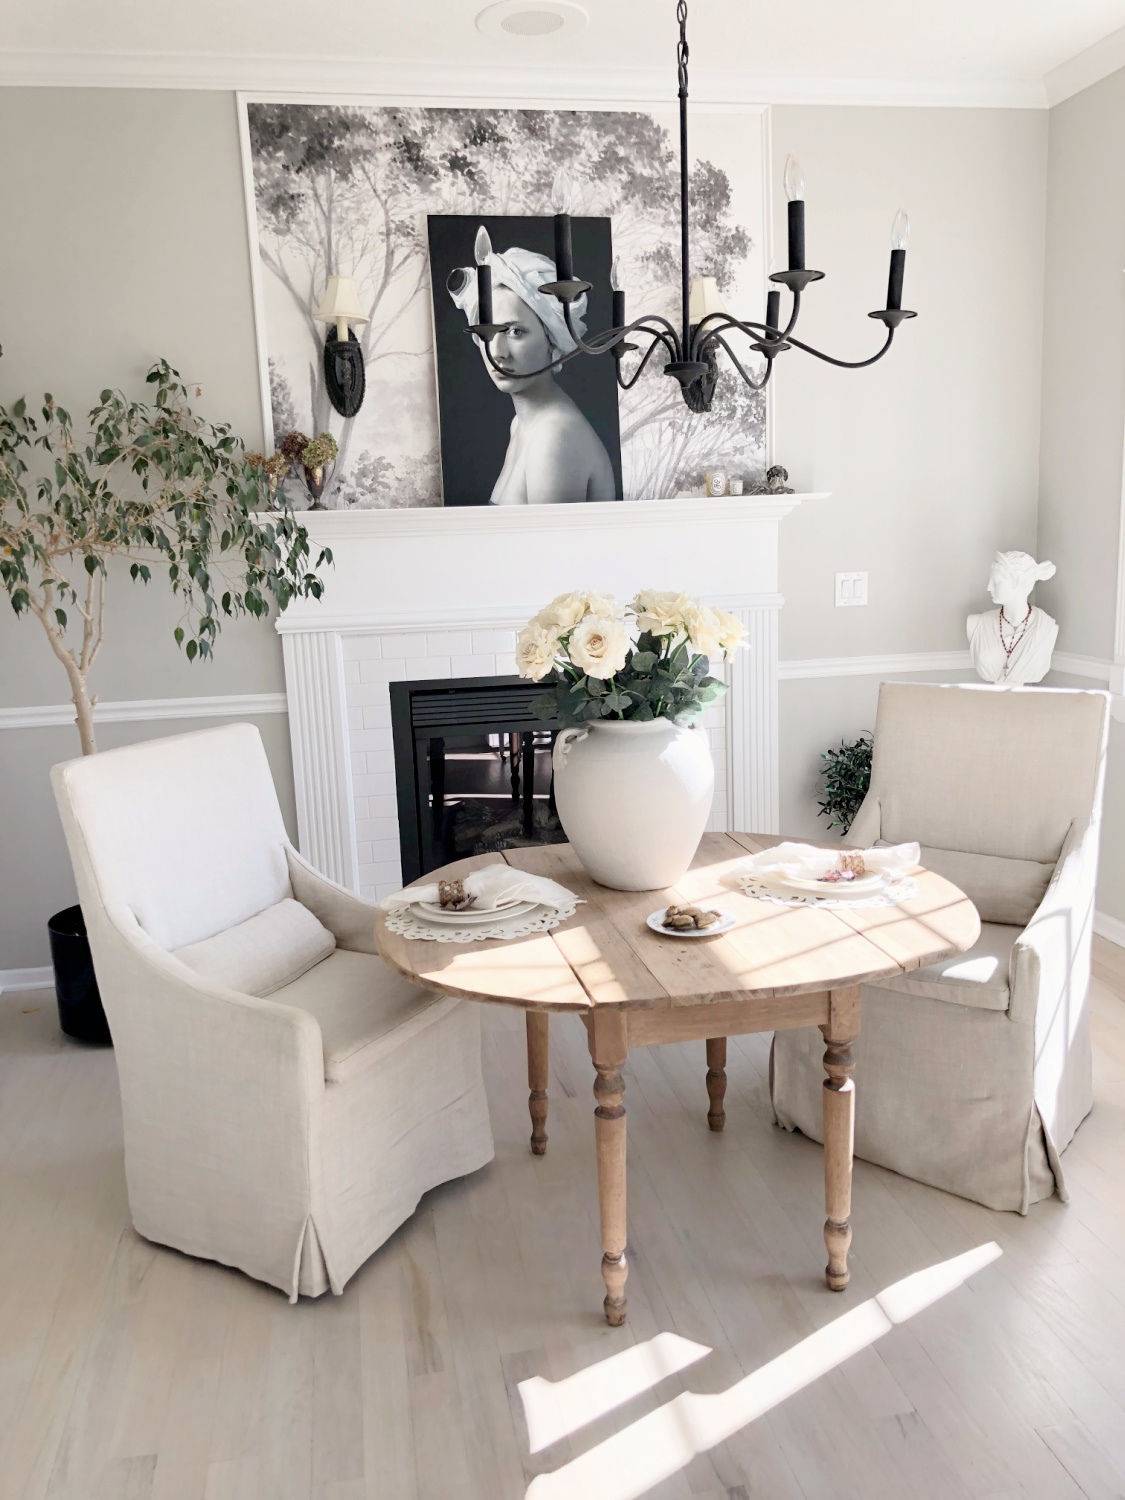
column 349, row 918
column 1050, row 964
column 260, row 1048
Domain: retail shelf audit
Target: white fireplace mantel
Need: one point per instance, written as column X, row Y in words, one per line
column 437, row 593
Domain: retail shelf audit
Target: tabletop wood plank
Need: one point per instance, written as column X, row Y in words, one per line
column 605, row 956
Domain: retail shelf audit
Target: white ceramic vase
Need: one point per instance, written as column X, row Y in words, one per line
column 633, row 799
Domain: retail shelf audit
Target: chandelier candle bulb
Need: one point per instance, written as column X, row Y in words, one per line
column 773, row 310
column 795, row 192
column 900, row 234
column 561, row 196
column 482, row 249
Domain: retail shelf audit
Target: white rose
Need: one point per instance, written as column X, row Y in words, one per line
column 599, row 647
column 563, row 613
column 730, row 632
column 660, row 611
column 703, row 630
column 536, row 646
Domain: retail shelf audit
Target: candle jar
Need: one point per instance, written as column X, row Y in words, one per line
column 734, row 486
column 717, row 482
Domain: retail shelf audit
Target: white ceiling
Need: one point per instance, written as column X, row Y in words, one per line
column 969, row 48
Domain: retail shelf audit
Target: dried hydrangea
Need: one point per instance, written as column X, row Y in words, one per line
column 293, row 444
column 322, row 450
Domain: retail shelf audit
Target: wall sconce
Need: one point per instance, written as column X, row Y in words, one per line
column 344, row 375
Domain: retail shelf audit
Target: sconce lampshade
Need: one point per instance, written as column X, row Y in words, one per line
column 704, row 299
column 341, row 304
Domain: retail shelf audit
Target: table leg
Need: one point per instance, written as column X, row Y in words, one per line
column 716, row 1081
column 609, row 1049
column 839, row 1131
column 538, row 1043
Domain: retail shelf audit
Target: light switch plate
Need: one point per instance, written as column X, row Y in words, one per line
column 851, row 589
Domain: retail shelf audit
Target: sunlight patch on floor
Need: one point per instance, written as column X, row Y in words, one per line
column 659, row 1445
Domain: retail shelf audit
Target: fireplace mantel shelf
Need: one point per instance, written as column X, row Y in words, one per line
column 328, row 526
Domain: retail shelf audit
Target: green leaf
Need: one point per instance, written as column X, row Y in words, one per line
column 60, row 616
column 643, row 661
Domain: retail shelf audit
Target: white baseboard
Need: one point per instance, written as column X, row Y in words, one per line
column 226, row 706
column 26, row 979
column 1111, row 928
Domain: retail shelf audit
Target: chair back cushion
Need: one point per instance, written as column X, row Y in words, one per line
column 1002, row 890
column 984, row 770
column 185, row 831
column 263, row 953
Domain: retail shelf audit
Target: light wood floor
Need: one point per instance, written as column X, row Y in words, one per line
column 130, row 1372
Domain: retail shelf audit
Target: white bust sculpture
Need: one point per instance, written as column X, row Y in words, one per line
column 1013, row 644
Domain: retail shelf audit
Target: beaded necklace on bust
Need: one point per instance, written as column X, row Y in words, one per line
column 1020, row 632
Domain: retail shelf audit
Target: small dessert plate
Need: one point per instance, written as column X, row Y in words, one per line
column 655, row 920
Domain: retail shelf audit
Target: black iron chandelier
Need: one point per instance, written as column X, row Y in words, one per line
column 692, row 350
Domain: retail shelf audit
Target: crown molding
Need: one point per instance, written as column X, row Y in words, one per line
column 514, row 85
column 1089, row 67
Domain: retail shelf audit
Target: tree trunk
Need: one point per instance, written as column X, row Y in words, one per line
column 84, row 718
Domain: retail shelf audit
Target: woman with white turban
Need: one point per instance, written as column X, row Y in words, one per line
column 554, row 455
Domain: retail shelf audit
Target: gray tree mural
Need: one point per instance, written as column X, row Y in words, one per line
column 346, row 190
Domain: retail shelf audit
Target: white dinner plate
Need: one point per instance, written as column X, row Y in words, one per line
column 425, row 911
column 863, row 885
column 656, row 921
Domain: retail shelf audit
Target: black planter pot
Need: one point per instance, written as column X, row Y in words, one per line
column 80, row 1006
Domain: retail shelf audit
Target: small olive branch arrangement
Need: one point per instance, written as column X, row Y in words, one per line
column 155, row 485
column 847, row 775
column 580, row 646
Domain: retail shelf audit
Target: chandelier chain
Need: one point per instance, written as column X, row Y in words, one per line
column 682, row 51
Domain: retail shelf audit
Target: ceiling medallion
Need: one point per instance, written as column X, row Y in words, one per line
column 692, row 350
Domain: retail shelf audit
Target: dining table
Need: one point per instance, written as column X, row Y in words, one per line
column 778, row 966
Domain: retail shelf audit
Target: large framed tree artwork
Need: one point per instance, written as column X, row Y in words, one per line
column 378, row 193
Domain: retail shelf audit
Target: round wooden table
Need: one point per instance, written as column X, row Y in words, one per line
column 779, row 967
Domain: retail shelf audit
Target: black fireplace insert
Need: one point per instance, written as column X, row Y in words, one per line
column 472, row 769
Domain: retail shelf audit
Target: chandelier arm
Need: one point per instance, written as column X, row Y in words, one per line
column 627, row 385
column 793, row 316
column 755, row 385
column 845, row 364
column 610, row 336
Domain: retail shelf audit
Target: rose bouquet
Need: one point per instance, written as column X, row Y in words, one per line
column 646, row 660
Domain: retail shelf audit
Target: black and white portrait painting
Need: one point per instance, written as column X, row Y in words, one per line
column 350, row 190
column 515, row 427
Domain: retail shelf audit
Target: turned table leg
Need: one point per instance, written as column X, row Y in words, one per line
column 716, row 1081
column 839, row 1131
column 538, row 1056
column 608, row 1049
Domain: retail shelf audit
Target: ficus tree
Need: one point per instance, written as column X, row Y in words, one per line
column 155, row 485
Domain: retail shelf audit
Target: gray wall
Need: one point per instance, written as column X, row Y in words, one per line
column 1084, row 365
column 931, row 456
column 145, row 253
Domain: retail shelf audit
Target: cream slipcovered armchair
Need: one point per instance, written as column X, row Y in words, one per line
column 973, row 1074
column 287, row 1099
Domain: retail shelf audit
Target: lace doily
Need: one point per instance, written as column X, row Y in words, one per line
column 899, row 890
column 538, row 919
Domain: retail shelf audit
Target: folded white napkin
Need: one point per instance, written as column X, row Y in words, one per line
column 491, row 886
column 808, row 863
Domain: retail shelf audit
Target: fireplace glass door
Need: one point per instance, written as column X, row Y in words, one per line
column 472, row 768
